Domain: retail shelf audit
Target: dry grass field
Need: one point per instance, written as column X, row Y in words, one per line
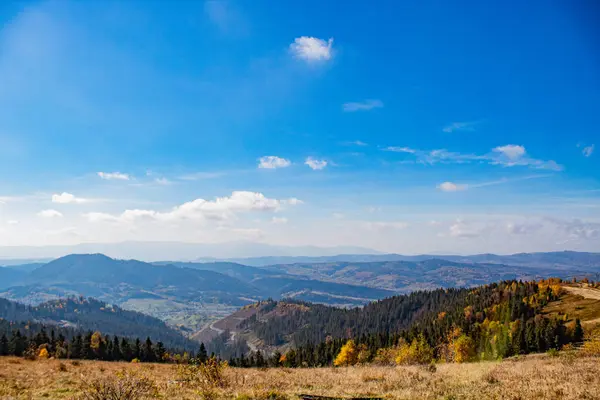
column 532, row 377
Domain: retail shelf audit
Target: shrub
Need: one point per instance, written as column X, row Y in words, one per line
column 591, row 347
column 62, row 367
column 386, row 356
column 552, row 353
column 207, row 375
column 30, row 353
column 121, row 386
column 464, row 349
column 75, row 363
column 418, row 352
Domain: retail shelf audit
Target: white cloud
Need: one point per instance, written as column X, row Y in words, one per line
column 452, row 187
column 362, row 106
column 312, row 49
column 337, row 215
column 49, row 214
column 511, row 151
column 506, row 156
column 114, row 176
column 401, row 149
column 359, row 143
column 315, row 164
column 12, row 222
column 588, row 150
column 67, row 198
column 279, row 220
column 460, row 126
column 578, row 229
column 463, row 230
column 272, row 162
column 220, row 209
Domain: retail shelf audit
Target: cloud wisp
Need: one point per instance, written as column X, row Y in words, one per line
column 366, row 105
column 507, row 156
column 273, row 162
column 118, row 176
column 461, row 126
column 457, row 187
column 50, row 214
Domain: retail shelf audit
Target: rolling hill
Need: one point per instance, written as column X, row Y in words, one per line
column 87, row 314
column 186, row 295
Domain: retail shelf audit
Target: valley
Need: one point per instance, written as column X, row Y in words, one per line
column 189, row 296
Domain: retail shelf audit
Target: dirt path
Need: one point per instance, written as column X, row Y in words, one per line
column 587, row 293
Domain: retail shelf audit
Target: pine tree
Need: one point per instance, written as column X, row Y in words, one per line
column 148, row 352
column 116, row 350
column 126, row 350
column 159, row 351
column 76, row 347
column 202, row 353
column 4, row 345
column 17, row 344
column 578, row 332
column 137, row 349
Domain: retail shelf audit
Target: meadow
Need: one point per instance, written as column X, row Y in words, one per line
column 566, row 376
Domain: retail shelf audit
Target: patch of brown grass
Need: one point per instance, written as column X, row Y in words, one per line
column 575, row 307
column 528, row 377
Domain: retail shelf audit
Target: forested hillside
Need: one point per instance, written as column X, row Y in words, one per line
column 86, row 314
column 495, row 320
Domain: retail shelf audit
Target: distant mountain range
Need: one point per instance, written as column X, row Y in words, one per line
column 152, row 251
column 190, row 295
column 547, row 260
column 183, row 294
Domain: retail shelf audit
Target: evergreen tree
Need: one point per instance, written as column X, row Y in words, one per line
column 76, row 348
column 148, row 352
column 202, row 353
column 159, row 351
column 126, row 352
column 116, row 350
column 17, row 344
column 578, row 332
column 137, row 349
column 4, row 349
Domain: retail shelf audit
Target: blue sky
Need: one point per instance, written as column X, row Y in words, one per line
column 409, row 127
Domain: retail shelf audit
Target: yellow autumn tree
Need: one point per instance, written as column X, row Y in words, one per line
column 43, row 353
column 463, row 348
column 417, row 352
column 348, row 355
column 364, row 355
column 96, row 340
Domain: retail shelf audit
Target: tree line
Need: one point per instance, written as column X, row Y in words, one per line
column 92, row 346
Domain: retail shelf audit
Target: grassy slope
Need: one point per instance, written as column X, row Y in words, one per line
column 533, row 377
column 578, row 301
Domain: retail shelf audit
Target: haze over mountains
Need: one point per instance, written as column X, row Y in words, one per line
column 188, row 295
column 178, row 251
